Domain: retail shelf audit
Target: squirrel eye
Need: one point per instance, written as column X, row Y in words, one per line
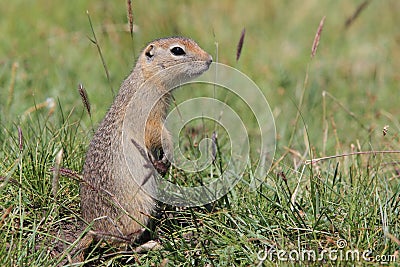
column 177, row 51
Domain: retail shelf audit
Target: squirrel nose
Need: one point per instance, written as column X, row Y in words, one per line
column 210, row 60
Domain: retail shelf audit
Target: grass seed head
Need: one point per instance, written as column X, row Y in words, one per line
column 317, row 37
column 240, row 44
column 130, row 15
column 85, row 98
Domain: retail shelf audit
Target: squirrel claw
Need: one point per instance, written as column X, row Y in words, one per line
column 162, row 165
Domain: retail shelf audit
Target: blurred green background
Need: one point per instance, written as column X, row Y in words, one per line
column 358, row 65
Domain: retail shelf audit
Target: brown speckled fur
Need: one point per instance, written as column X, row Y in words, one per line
column 109, row 198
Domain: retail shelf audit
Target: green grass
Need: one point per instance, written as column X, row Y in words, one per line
column 351, row 94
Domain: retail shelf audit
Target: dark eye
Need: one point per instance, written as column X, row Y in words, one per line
column 177, row 51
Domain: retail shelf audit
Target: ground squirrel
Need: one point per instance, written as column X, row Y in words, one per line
column 110, row 199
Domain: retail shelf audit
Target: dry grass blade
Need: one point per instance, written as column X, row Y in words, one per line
column 312, row 161
column 214, row 146
column 317, row 37
column 56, row 173
column 393, row 238
column 94, row 40
column 240, row 44
column 5, row 215
column 68, row 173
column 164, row 262
column 356, row 13
column 20, row 139
column 85, row 98
column 148, row 166
column 49, row 104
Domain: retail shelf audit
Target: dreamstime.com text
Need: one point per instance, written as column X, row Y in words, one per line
column 341, row 253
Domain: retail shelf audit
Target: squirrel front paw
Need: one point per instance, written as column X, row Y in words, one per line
column 160, row 162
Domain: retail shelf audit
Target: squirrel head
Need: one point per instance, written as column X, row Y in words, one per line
column 173, row 61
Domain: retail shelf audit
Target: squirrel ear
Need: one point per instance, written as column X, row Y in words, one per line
column 149, row 51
